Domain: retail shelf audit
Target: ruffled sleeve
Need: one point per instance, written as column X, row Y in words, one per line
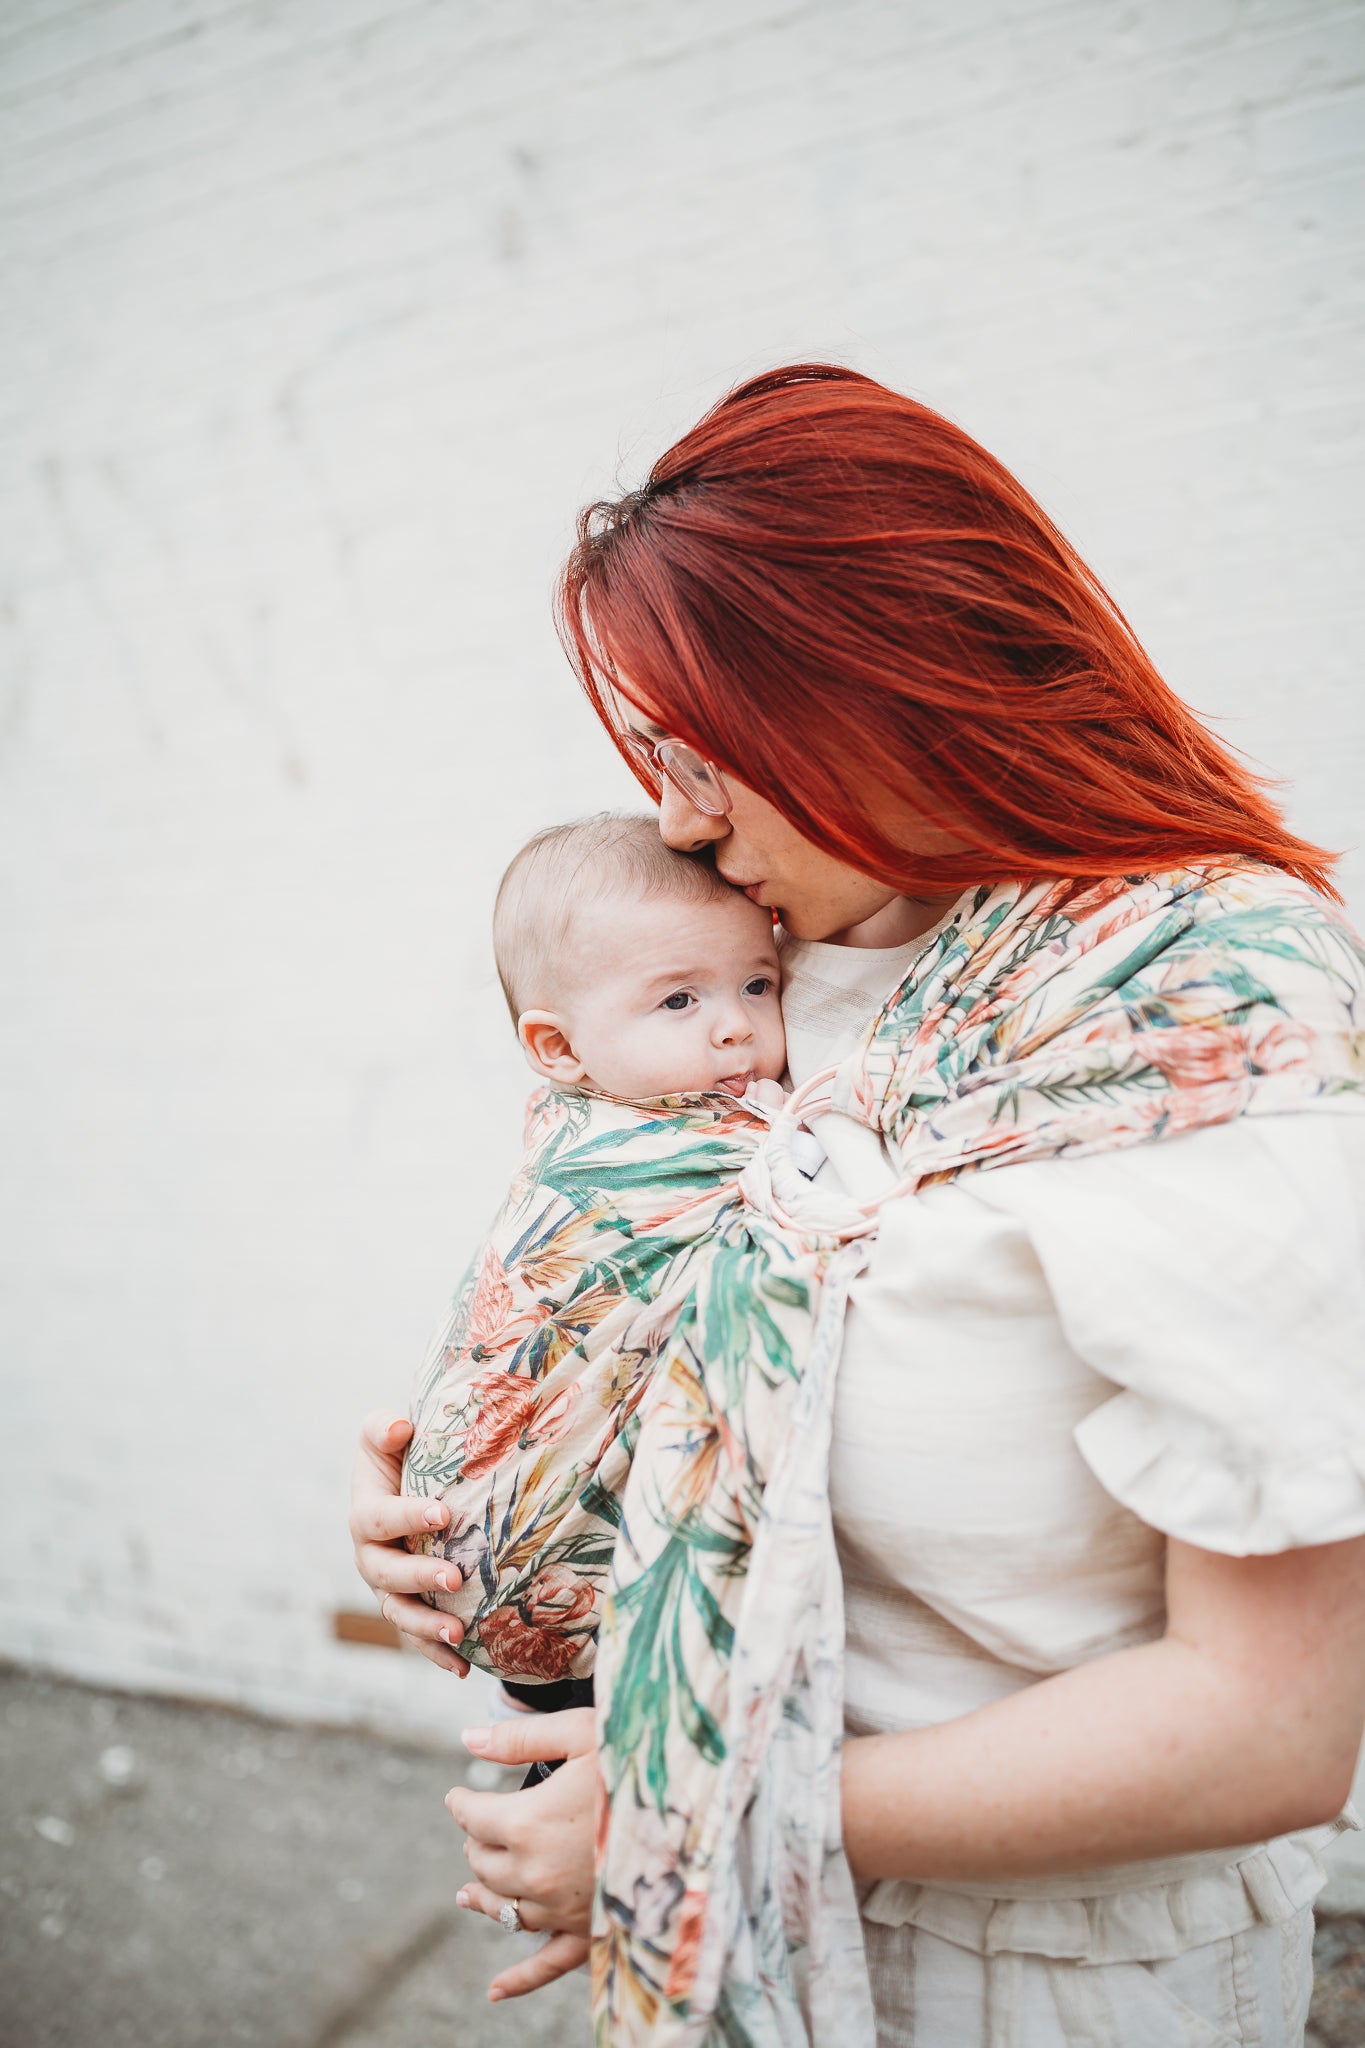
column 1218, row 1281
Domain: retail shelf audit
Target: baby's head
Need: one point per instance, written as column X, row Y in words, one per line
column 634, row 970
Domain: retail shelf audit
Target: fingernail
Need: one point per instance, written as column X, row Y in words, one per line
column 443, row 1581
column 448, row 1639
column 494, row 1996
column 434, row 1517
column 462, row 1898
column 475, row 1738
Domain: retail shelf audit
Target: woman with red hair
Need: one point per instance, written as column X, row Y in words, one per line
column 1095, row 1038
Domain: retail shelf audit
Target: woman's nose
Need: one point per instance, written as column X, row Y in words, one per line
column 683, row 827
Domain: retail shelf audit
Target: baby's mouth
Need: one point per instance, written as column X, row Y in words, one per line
column 735, row 1084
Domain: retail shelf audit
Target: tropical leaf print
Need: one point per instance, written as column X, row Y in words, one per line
column 628, row 1408
column 548, row 1349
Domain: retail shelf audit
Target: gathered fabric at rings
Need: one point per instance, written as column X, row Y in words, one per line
column 629, row 1408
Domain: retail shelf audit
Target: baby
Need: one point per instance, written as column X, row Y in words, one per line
column 646, row 991
column 634, row 971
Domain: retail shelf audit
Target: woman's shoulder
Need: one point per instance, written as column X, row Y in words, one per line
column 1246, row 1212
column 1233, row 1162
column 1250, row 1204
column 1218, row 1281
column 1244, row 907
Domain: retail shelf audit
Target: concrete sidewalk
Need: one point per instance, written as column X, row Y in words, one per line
column 178, row 1877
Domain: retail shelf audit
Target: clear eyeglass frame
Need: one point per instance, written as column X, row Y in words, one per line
column 696, row 779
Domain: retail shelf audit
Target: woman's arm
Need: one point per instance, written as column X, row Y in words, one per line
column 380, row 1519
column 1243, row 1722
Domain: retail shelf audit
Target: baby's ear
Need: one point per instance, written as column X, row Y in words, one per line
column 546, row 1045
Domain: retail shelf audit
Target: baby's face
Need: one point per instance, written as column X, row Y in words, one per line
column 669, row 998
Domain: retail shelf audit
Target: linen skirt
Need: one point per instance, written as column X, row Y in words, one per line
column 1249, row 1990
column 1206, row 1953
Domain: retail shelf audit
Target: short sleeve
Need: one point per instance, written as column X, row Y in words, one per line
column 1217, row 1280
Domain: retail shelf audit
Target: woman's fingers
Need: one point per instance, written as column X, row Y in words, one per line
column 392, row 1517
column 382, row 1520
column 426, row 1629
column 483, row 1816
column 560, row 1954
column 495, row 1869
column 378, row 1466
column 480, row 1898
column 379, row 1512
column 555, row 1958
column 384, row 1431
column 425, row 1624
column 537, row 1844
column 409, row 1573
column 535, row 1738
column 437, row 1653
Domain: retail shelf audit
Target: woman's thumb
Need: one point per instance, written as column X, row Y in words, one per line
column 534, row 1738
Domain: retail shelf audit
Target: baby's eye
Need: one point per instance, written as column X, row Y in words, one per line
column 759, row 986
column 679, row 1000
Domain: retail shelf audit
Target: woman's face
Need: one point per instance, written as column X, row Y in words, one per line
column 816, row 895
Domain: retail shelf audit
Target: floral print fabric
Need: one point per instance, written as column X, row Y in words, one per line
column 1043, row 1020
column 525, row 1410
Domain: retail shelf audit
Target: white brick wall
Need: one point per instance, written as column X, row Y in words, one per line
column 324, row 317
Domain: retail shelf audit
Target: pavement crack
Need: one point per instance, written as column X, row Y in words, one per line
column 386, row 1977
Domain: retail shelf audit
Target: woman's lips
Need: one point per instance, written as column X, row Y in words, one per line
column 749, row 889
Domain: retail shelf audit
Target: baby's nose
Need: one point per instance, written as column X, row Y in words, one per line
column 733, row 1027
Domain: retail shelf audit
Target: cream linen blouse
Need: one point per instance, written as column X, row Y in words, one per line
column 1048, row 1369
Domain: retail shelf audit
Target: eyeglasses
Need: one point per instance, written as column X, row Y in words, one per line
column 692, row 775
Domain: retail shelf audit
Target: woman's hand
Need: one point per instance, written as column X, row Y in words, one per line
column 380, row 1519
column 535, row 1846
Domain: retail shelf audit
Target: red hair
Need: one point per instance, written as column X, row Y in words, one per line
column 834, row 593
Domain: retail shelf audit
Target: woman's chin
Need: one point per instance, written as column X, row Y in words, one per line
column 799, row 924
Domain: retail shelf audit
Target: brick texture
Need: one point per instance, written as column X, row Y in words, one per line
column 322, row 319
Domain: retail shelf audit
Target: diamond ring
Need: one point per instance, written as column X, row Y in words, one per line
column 510, row 1917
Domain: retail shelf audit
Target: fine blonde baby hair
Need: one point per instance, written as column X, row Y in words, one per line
column 568, row 867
